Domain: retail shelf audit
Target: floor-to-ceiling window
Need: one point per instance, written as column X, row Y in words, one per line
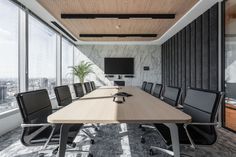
column 41, row 56
column 67, row 62
column 230, row 64
column 40, row 61
column 9, row 83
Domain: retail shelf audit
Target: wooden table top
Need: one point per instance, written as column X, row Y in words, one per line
column 98, row 107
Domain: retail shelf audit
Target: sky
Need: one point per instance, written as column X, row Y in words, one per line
column 42, row 46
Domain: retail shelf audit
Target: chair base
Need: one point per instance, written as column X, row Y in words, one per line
column 160, row 149
column 43, row 152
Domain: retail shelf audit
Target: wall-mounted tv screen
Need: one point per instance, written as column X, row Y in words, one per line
column 119, row 65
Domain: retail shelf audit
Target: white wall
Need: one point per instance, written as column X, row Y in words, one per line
column 12, row 119
column 144, row 55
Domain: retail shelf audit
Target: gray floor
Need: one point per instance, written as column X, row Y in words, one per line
column 121, row 140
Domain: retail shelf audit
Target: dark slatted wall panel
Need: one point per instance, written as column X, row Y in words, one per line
column 190, row 58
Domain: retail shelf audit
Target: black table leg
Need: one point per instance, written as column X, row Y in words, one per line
column 63, row 140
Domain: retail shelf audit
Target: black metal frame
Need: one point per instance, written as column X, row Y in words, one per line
column 117, row 16
column 223, row 63
column 117, row 35
column 63, row 30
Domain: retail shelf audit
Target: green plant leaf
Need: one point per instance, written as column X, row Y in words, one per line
column 82, row 70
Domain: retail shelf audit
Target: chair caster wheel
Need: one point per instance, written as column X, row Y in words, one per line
column 41, row 155
column 54, row 152
column 90, row 155
column 140, row 126
column 92, row 141
column 143, row 129
column 143, row 140
column 96, row 129
column 73, row 145
column 151, row 153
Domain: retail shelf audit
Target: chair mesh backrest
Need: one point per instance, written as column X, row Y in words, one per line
column 78, row 90
column 201, row 105
column 87, row 87
column 92, row 85
column 63, row 95
column 157, row 90
column 171, row 95
column 144, row 85
column 148, row 87
column 35, row 106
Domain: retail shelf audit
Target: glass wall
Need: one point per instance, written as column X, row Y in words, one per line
column 67, row 62
column 230, row 64
column 9, row 85
column 42, row 57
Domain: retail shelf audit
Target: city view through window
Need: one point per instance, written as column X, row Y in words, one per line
column 42, row 57
column 41, row 60
column 8, row 55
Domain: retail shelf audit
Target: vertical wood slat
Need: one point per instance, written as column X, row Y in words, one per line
column 190, row 58
column 168, row 64
column 188, row 66
column 199, row 52
column 173, row 61
column 176, row 61
column 179, row 60
column 183, row 63
column 205, row 50
column 214, row 48
column 193, row 54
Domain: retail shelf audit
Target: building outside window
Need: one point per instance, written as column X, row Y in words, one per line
column 67, row 62
column 9, row 83
column 41, row 57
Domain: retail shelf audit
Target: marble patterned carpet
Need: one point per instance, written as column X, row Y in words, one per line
column 120, row 140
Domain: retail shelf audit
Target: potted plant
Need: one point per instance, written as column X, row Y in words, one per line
column 82, row 70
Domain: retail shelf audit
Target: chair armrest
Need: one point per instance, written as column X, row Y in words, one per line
column 58, row 108
column 189, row 137
column 179, row 106
column 187, row 124
column 74, row 99
column 36, row 125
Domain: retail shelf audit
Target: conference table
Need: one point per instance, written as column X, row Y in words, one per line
column 99, row 107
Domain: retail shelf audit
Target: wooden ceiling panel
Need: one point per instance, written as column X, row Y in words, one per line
column 109, row 26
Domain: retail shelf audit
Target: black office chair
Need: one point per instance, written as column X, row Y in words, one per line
column 171, row 95
column 80, row 93
column 64, row 98
column 35, row 107
column 78, row 90
column 92, row 85
column 156, row 93
column 144, row 85
column 87, row 87
column 157, row 90
column 202, row 106
column 63, row 95
column 148, row 87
